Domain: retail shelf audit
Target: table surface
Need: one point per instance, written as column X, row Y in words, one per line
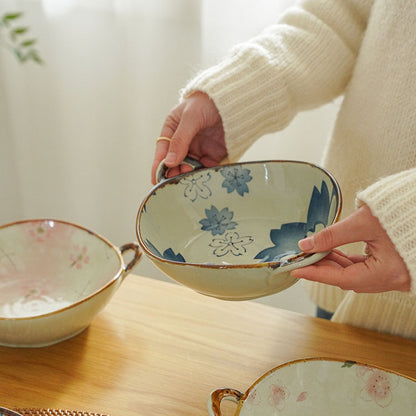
column 159, row 349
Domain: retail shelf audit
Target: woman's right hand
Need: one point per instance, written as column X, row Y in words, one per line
column 195, row 129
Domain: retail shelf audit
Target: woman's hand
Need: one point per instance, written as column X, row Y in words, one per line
column 195, row 129
column 381, row 270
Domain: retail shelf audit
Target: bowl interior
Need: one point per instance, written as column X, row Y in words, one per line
column 46, row 265
column 329, row 387
column 238, row 214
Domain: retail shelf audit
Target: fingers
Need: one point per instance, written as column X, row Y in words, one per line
column 198, row 117
column 362, row 277
column 162, row 147
column 359, row 226
column 184, row 122
column 176, row 136
column 343, row 271
column 357, row 276
column 351, row 258
column 181, row 140
column 381, row 270
column 173, row 150
column 338, row 258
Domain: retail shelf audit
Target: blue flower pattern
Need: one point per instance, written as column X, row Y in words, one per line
column 196, row 186
column 217, row 222
column 236, row 178
column 232, row 243
column 286, row 238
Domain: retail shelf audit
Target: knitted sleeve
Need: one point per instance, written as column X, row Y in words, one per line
column 393, row 201
column 303, row 61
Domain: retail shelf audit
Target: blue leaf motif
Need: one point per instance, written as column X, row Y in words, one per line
column 286, row 238
column 217, row 222
column 236, row 178
column 319, row 207
column 168, row 254
column 285, row 242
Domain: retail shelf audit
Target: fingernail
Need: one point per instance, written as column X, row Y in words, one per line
column 306, row 244
column 170, row 158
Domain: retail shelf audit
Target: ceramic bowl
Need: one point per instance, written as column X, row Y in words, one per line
column 322, row 387
column 232, row 231
column 8, row 412
column 54, row 278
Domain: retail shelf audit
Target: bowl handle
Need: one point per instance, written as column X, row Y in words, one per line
column 217, row 396
column 135, row 247
column 162, row 168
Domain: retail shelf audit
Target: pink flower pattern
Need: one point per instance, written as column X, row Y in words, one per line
column 40, row 230
column 278, row 396
column 254, row 398
column 378, row 386
column 302, row 396
column 79, row 257
column 33, row 291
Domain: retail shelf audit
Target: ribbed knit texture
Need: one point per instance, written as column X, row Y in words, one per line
column 365, row 50
column 262, row 84
column 393, row 201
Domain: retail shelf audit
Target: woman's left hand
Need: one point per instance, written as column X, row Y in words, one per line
column 381, row 270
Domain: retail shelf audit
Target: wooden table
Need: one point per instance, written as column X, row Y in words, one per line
column 160, row 349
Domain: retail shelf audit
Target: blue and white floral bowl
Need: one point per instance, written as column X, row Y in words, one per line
column 232, row 231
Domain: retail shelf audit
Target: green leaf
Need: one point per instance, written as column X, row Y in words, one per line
column 34, row 56
column 27, row 43
column 14, row 33
column 8, row 17
column 11, row 16
column 19, row 30
column 21, row 48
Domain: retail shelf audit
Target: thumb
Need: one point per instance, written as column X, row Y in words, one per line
column 350, row 230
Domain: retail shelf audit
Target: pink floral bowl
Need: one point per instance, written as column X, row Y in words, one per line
column 322, row 386
column 54, row 278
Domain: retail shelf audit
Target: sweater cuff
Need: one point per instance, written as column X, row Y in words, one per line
column 238, row 92
column 393, row 201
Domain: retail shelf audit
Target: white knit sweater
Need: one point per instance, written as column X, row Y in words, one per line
column 364, row 50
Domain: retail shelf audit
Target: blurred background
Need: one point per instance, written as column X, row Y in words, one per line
column 77, row 133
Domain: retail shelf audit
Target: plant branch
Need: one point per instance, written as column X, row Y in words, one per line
column 13, row 37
